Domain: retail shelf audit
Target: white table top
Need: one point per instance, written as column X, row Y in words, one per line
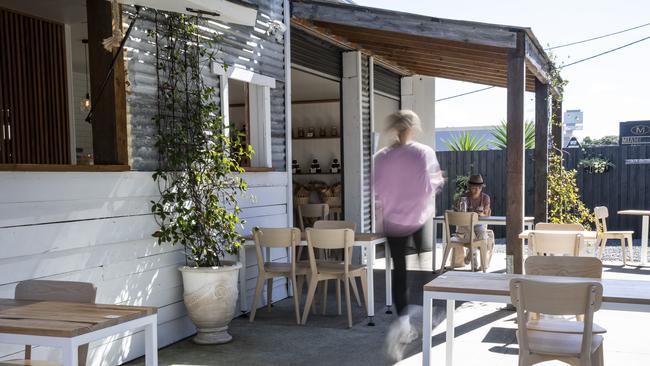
column 585, row 234
column 490, row 218
column 635, row 212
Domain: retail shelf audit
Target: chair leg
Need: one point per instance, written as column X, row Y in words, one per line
column 296, row 300
column 324, row 289
column 347, row 300
column 355, row 290
column 472, row 251
column 311, row 290
column 483, row 250
column 364, row 288
column 258, row 293
column 600, row 243
column 338, row 296
column 623, row 251
column 444, row 258
column 630, row 247
column 269, row 294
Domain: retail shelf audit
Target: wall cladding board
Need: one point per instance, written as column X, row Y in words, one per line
column 239, row 46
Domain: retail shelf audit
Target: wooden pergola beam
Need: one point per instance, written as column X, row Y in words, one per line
column 354, row 15
column 541, row 151
column 515, row 156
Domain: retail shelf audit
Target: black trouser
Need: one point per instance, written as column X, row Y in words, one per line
column 397, row 246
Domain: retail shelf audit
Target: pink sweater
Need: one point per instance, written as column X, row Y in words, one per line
column 406, row 178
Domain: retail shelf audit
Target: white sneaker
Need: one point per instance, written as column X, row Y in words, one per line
column 400, row 334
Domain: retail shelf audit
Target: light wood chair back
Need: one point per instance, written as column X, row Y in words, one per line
column 601, row 213
column 555, row 244
column 557, row 298
column 276, row 238
column 458, row 219
column 335, row 224
column 313, row 211
column 329, row 239
column 558, row 227
column 65, row 291
column 565, row 266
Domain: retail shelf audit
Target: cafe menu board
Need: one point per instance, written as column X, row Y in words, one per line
column 634, row 133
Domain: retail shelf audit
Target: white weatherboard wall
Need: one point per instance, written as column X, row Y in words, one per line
column 97, row 227
column 419, row 95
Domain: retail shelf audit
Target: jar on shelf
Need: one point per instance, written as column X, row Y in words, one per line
column 295, row 167
column 336, row 166
column 310, row 132
column 315, row 167
column 322, row 132
column 334, row 131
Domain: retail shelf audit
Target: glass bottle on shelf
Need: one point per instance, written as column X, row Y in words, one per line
column 310, row 132
column 295, row 167
column 322, row 132
column 334, row 131
column 301, row 132
column 462, row 204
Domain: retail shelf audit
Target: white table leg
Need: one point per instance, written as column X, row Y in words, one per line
column 243, row 303
column 389, row 280
column 433, row 250
column 371, row 283
column 644, row 240
column 70, row 354
column 151, row 342
column 427, row 318
column 449, row 345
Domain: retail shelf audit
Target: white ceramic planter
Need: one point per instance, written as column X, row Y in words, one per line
column 210, row 295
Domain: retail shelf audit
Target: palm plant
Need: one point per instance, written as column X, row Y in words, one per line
column 464, row 141
column 500, row 135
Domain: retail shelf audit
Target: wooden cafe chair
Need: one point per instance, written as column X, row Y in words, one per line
column 557, row 298
column 554, row 243
column 469, row 241
column 601, row 214
column 267, row 270
column 321, row 271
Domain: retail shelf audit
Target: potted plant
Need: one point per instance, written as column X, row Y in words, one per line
column 199, row 175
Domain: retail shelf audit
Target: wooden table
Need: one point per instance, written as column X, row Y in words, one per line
column 626, row 295
column 645, row 214
column 69, row 325
column 487, row 220
column 365, row 240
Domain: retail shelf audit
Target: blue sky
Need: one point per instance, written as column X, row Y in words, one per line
column 608, row 89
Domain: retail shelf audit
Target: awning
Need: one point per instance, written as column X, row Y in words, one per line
column 417, row 44
column 233, row 12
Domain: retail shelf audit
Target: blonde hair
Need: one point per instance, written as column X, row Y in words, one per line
column 403, row 120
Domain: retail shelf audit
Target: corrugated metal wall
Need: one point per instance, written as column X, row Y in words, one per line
column 240, row 46
column 313, row 53
column 387, row 81
column 367, row 153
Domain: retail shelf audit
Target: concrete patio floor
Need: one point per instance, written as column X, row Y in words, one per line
column 485, row 333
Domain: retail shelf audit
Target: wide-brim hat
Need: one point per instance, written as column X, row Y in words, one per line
column 476, row 180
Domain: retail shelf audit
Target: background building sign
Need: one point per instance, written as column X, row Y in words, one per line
column 634, row 133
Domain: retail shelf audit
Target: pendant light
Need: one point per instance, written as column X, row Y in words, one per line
column 85, row 103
